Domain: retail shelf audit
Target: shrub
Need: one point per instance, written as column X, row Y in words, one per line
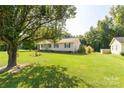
column 81, row 49
column 3, row 47
column 122, row 53
column 88, row 49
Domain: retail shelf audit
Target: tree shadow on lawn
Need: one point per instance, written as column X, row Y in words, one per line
column 36, row 76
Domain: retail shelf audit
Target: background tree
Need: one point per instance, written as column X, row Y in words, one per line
column 93, row 38
column 82, row 39
column 66, row 34
column 105, row 29
column 100, row 36
column 20, row 23
column 28, row 45
column 113, row 26
column 117, row 14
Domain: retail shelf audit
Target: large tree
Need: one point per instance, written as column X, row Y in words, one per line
column 20, row 23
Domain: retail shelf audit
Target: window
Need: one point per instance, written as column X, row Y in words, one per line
column 56, row 45
column 45, row 45
column 42, row 46
column 67, row 45
column 49, row 45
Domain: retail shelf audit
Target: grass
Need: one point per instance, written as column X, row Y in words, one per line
column 65, row 70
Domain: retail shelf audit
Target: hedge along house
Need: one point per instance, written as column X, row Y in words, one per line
column 117, row 45
column 63, row 45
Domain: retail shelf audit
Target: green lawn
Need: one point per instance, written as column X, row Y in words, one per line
column 65, row 70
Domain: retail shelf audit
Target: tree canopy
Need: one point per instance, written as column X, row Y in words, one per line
column 20, row 23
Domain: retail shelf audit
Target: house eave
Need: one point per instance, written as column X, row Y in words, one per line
column 111, row 41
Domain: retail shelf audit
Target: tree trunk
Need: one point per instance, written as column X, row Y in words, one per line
column 11, row 56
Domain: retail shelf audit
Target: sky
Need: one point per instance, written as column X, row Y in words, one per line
column 87, row 16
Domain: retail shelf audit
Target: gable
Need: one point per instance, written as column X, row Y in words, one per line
column 112, row 41
column 115, row 42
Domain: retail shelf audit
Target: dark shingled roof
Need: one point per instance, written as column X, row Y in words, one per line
column 120, row 39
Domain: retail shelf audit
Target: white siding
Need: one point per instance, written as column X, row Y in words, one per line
column 62, row 48
column 74, row 46
column 116, row 47
column 122, row 47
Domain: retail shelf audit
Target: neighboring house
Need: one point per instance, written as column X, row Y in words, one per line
column 117, row 45
column 65, row 45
